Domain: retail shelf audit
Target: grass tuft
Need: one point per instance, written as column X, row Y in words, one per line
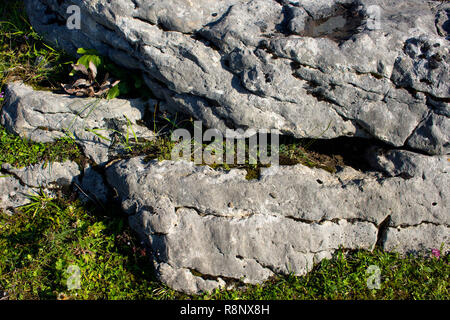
column 24, row 55
column 21, row 152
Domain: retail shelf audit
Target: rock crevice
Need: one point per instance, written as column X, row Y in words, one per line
column 371, row 70
column 255, row 90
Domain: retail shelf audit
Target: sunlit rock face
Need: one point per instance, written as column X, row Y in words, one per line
column 372, row 69
column 308, row 68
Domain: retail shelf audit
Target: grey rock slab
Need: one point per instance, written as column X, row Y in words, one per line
column 408, row 164
column 371, row 68
column 417, row 239
column 424, row 66
column 199, row 221
column 17, row 185
column 183, row 280
column 250, row 249
column 295, row 192
column 179, row 15
column 45, row 174
column 432, row 135
column 44, row 116
column 442, row 22
column 13, row 194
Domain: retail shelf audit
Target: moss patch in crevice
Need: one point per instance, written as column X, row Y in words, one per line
column 20, row 152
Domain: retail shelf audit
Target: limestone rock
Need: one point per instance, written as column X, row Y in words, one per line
column 414, row 239
column 220, row 225
column 13, row 194
column 408, row 164
column 371, row 68
column 57, row 174
column 18, row 184
column 94, row 123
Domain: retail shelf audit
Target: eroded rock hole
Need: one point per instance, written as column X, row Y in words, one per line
column 341, row 25
column 330, row 154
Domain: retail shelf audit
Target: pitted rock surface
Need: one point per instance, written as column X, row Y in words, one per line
column 375, row 69
column 372, row 68
column 43, row 116
column 223, row 226
column 18, row 185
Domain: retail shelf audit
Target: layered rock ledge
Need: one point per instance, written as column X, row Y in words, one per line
column 207, row 227
column 376, row 69
column 372, row 68
column 95, row 124
column 199, row 221
column 18, row 185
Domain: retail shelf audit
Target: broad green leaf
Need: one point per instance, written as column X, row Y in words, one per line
column 114, row 92
column 96, row 60
column 87, row 51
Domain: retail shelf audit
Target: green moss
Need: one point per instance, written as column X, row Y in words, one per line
column 253, row 173
column 22, row 152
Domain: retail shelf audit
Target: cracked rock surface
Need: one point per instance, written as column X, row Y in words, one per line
column 371, row 68
column 220, row 225
column 35, row 176
column 18, row 184
column 375, row 69
column 207, row 227
column 43, row 116
column 13, row 193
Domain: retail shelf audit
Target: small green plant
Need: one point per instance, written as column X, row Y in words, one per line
column 127, row 136
column 97, row 133
column 125, row 139
column 116, row 82
column 122, row 139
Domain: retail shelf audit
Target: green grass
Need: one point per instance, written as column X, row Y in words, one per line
column 41, row 240
column 23, row 54
column 21, row 152
column 38, row 243
column 344, row 277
